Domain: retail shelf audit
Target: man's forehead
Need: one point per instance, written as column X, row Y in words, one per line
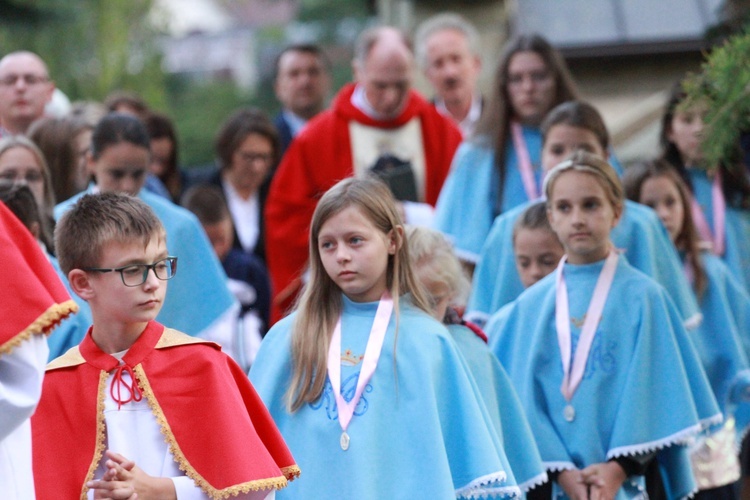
column 22, row 63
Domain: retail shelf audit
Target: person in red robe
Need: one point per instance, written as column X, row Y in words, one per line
column 177, row 417
column 376, row 124
column 34, row 301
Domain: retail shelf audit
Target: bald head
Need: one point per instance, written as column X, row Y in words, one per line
column 384, row 66
column 25, row 88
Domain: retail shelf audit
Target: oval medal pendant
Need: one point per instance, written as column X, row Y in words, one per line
column 344, row 441
column 569, row 413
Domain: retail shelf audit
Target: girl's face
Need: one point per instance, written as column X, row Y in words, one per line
column 121, row 168
column 661, row 194
column 439, row 292
column 537, row 251
column 531, row 87
column 582, row 216
column 685, row 132
column 18, row 165
column 251, row 163
column 355, row 254
column 562, row 140
column 162, row 149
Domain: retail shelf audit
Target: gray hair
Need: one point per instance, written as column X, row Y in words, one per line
column 441, row 22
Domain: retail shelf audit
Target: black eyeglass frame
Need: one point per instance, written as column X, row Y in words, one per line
column 171, row 260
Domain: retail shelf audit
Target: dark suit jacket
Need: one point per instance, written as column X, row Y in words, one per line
column 285, row 132
column 215, row 180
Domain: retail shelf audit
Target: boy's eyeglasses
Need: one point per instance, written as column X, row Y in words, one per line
column 137, row 274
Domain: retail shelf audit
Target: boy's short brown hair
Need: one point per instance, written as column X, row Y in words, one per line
column 97, row 219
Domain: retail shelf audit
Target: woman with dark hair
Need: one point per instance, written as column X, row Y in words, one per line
column 498, row 168
column 247, row 150
column 65, row 143
column 720, row 201
column 164, row 167
column 199, row 302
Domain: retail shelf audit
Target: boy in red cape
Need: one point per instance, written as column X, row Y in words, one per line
column 176, row 416
column 33, row 302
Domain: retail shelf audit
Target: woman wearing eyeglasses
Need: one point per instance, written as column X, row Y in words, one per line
column 247, row 150
column 199, row 303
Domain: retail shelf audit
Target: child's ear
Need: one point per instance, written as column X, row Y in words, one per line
column 618, row 215
column 396, row 237
column 80, row 284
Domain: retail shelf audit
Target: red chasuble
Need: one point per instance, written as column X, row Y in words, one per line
column 34, row 300
column 216, row 426
column 320, row 157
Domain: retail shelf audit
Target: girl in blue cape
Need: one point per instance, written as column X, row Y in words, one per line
column 369, row 391
column 199, row 302
column 498, row 168
column 598, row 354
column 720, row 195
column 442, row 275
column 570, row 126
column 717, row 339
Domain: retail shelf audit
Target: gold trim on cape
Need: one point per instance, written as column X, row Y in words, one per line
column 273, row 483
column 101, row 433
column 72, row 357
column 42, row 325
column 171, row 338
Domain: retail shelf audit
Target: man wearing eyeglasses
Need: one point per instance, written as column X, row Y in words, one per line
column 25, row 88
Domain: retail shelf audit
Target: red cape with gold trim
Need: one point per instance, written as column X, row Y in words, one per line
column 320, row 157
column 216, row 426
column 34, row 300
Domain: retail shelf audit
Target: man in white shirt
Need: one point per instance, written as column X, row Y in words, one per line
column 25, row 89
column 447, row 51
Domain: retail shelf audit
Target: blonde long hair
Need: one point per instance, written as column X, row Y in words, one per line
column 320, row 304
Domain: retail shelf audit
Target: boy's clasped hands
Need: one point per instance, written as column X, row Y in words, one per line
column 599, row 481
column 124, row 480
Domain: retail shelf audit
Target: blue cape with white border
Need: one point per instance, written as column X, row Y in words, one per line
column 643, row 388
column 419, row 431
column 639, row 233
column 504, row 408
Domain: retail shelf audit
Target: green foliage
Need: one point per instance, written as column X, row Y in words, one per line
column 198, row 111
column 723, row 86
column 92, row 47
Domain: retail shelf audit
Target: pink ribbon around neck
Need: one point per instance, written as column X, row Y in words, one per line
column 572, row 376
column 524, row 162
column 719, row 206
column 369, row 362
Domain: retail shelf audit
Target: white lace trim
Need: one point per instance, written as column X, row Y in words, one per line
column 682, row 437
column 559, row 466
column 478, row 487
column 693, row 321
column 535, row 481
column 711, row 421
column 497, row 492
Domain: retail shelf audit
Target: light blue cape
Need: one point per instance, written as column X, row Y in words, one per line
column 639, row 233
column 737, row 227
column 420, row 431
column 198, row 295
column 643, row 389
column 466, row 206
column 504, row 408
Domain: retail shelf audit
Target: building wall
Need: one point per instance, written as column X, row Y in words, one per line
column 630, row 92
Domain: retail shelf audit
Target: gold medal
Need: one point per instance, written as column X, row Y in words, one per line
column 344, row 441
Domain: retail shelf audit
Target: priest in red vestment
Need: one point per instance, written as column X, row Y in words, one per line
column 377, row 124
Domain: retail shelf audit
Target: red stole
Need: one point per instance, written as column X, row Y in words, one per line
column 33, row 297
column 320, row 157
column 216, row 426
